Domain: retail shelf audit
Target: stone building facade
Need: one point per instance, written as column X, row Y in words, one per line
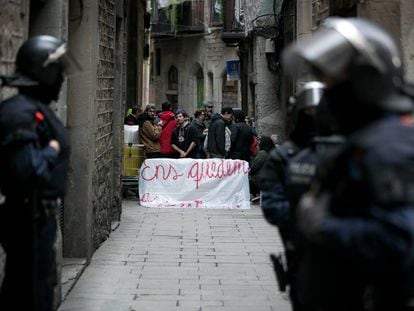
column 189, row 59
column 262, row 83
column 105, row 36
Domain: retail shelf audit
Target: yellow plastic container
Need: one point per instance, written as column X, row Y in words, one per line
column 133, row 158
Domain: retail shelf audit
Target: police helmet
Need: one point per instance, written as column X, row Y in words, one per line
column 42, row 60
column 309, row 94
column 359, row 48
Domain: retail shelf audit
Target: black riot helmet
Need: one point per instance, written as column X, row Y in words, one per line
column 41, row 64
column 42, row 61
column 363, row 52
column 309, row 94
column 303, row 111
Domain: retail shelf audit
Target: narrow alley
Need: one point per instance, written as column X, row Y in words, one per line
column 182, row 259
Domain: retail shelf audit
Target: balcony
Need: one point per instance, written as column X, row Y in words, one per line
column 233, row 31
column 186, row 17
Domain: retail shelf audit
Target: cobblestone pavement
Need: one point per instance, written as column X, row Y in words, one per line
column 182, row 259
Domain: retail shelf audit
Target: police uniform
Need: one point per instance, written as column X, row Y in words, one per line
column 33, row 176
column 301, row 171
column 281, row 175
column 364, row 251
column 358, row 218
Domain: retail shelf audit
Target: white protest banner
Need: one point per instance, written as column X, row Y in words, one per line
column 187, row 183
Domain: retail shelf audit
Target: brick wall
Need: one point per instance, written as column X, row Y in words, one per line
column 102, row 176
column 12, row 33
column 214, row 47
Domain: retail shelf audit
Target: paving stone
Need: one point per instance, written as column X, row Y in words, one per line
column 182, row 260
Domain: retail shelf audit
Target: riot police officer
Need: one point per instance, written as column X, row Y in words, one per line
column 275, row 180
column 358, row 218
column 34, row 158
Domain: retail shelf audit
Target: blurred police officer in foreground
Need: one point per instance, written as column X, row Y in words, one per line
column 275, row 182
column 301, row 172
column 273, row 177
column 358, row 217
column 34, row 158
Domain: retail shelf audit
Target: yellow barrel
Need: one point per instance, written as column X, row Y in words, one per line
column 141, row 154
column 133, row 158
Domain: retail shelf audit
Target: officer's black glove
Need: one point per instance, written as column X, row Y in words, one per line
column 312, row 212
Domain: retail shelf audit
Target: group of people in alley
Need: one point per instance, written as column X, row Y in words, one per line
column 229, row 134
column 168, row 134
column 340, row 189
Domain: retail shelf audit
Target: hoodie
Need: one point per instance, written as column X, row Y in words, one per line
column 168, row 126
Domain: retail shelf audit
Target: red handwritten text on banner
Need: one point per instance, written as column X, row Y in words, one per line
column 213, row 183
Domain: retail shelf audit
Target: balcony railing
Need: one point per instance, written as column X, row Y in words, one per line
column 233, row 31
column 184, row 17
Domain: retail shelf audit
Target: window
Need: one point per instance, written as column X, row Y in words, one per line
column 200, row 88
column 217, row 11
column 173, row 78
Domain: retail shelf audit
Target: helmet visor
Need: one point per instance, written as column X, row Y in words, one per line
column 310, row 95
column 62, row 55
column 326, row 52
column 70, row 64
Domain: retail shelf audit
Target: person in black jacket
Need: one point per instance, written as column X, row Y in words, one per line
column 184, row 137
column 358, row 217
column 241, row 137
column 34, row 160
column 201, row 129
column 265, row 146
column 216, row 139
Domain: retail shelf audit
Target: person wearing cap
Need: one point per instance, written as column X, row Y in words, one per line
column 34, row 162
column 358, row 217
